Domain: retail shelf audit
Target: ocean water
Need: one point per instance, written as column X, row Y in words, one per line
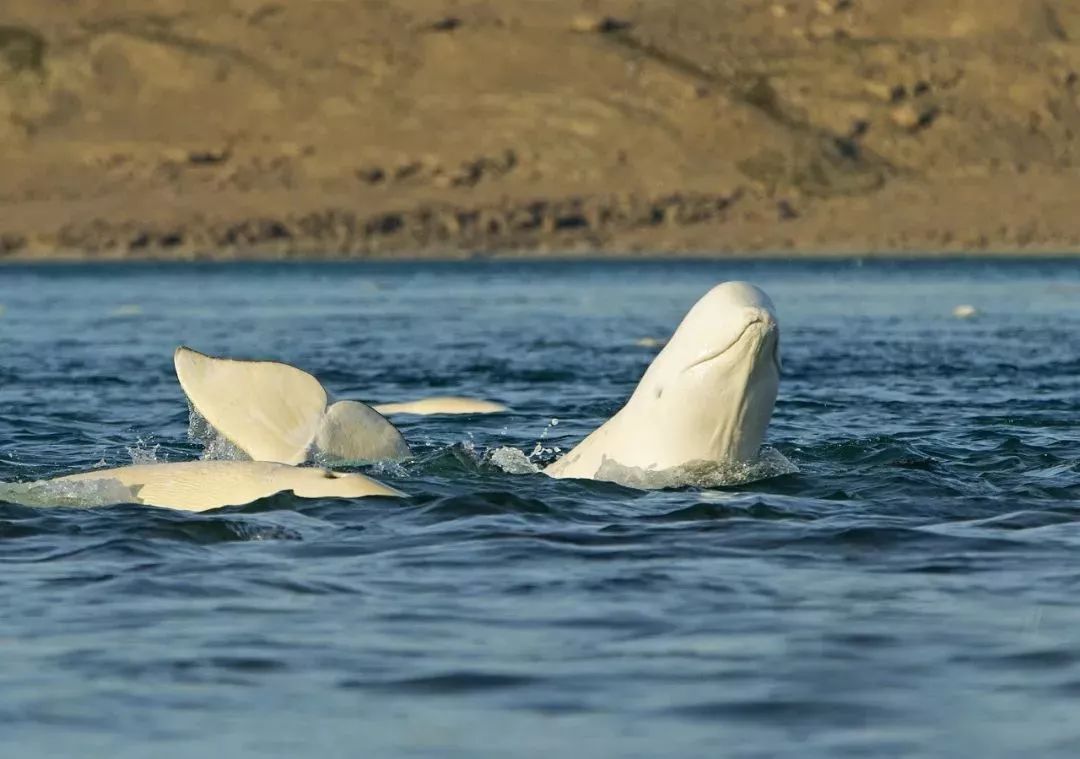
column 913, row 590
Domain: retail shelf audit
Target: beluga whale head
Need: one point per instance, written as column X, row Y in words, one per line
column 707, row 396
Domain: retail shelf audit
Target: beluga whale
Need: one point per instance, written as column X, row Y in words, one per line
column 441, row 404
column 276, row 412
column 198, row 485
column 706, row 399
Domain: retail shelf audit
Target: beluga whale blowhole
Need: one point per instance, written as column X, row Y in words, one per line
column 704, row 402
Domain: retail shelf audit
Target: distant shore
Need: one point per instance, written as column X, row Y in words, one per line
column 555, row 129
column 567, row 256
column 1022, row 216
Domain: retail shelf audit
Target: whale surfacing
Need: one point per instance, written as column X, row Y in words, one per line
column 442, row 404
column 706, row 397
column 278, row 413
column 203, row 485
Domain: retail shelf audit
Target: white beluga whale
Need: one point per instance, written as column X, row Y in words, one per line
column 705, row 399
column 278, row 413
column 441, row 404
column 198, row 485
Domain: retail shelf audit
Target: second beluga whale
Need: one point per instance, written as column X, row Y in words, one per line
column 198, row 485
column 706, row 398
column 278, row 413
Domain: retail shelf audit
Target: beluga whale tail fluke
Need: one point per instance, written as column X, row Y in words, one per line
column 277, row 413
column 706, row 399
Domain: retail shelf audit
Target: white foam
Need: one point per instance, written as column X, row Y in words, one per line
column 81, row 494
column 512, row 461
column 389, row 468
column 701, row 474
column 143, row 452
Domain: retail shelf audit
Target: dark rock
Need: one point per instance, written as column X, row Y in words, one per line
column 385, row 225
column 859, row 129
column 171, row 239
column 405, row 171
column 610, row 24
column 599, row 24
column 467, row 221
column 786, row 211
column 372, row 175
column 527, row 218
column 493, row 223
column 571, row 220
column 22, row 48
column 847, row 147
column 11, row 243
column 447, row 24
column 208, row 157
column 913, row 117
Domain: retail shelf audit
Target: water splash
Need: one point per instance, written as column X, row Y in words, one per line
column 700, row 474
column 144, row 451
column 515, row 461
column 512, row 461
column 216, row 447
column 389, row 468
column 78, row 494
column 539, row 451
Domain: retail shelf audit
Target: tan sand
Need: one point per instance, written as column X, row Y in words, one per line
column 333, row 128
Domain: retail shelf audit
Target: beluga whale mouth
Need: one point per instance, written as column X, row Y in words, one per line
column 706, row 399
column 758, row 322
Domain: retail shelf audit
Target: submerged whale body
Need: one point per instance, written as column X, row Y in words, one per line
column 706, row 398
column 202, row 485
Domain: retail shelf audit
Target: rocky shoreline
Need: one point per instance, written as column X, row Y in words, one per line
column 429, row 230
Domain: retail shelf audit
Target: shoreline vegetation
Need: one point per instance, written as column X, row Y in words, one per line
column 250, row 130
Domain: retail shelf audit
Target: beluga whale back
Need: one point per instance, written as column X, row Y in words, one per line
column 204, row 485
column 706, row 398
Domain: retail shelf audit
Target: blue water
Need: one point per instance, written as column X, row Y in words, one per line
column 913, row 591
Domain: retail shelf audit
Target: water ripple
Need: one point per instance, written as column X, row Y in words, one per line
column 908, row 591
